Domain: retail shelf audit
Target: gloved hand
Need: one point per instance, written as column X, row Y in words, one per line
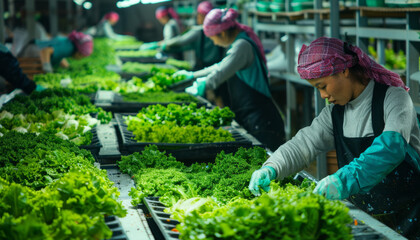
column 39, row 88
column 198, row 88
column 189, row 75
column 163, row 46
column 332, row 188
column 149, row 46
column 47, row 67
column 261, row 178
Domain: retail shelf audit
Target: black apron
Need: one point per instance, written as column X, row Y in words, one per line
column 256, row 113
column 396, row 199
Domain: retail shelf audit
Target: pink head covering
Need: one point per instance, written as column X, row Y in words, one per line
column 112, row 16
column 83, row 42
column 219, row 20
column 163, row 11
column 204, row 7
column 328, row 56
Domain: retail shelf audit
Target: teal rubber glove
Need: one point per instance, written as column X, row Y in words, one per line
column 188, row 75
column 332, row 188
column 198, row 88
column 163, row 46
column 39, row 88
column 261, row 178
column 149, row 46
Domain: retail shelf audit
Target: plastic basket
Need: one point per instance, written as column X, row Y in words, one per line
column 187, row 153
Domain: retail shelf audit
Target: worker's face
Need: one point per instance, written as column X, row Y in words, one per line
column 112, row 22
column 220, row 40
column 337, row 88
column 200, row 18
column 163, row 20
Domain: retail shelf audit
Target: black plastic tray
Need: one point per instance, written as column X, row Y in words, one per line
column 187, row 153
column 95, row 145
column 143, row 59
column 120, row 106
column 165, row 224
column 114, row 224
column 163, row 221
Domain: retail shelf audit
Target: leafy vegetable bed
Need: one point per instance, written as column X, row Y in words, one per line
column 212, row 201
column 201, row 152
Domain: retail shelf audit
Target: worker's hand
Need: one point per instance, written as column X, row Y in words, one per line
column 149, row 46
column 188, row 75
column 39, row 88
column 198, row 88
column 47, row 67
column 261, row 178
column 331, row 187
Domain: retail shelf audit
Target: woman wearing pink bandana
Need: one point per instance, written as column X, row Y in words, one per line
column 172, row 26
column 206, row 53
column 244, row 69
column 371, row 123
column 55, row 51
column 104, row 27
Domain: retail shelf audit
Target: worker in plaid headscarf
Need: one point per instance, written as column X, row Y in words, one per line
column 245, row 72
column 371, row 123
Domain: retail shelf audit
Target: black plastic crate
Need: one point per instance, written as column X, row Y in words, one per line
column 143, row 59
column 118, row 105
column 94, row 146
column 184, row 152
column 165, row 225
column 114, row 224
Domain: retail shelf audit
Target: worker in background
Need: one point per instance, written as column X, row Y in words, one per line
column 12, row 73
column 105, row 28
column 250, row 96
column 55, row 51
column 372, row 124
column 206, row 52
column 172, row 27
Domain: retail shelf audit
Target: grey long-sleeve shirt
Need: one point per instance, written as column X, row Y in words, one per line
column 399, row 116
column 238, row 57
column 171, row 30
column 185, row 39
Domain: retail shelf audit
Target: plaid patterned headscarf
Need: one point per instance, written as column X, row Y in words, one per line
column 204, row 7
column 83, row 42
column 328, row 56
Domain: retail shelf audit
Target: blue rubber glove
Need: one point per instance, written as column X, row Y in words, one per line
column 261, row 178
column 39, row 88
column 149, row 46
column 332, row 188
column 188, row 75
column 198, row 88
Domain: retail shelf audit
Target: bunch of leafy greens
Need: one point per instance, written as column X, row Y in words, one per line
column 159, row 97
column 183, row 115
column 288, row 212
column 172, row 133
column 180, row 124
column 37, row 161
column 153, row 173
column 179, row 63
column 137, row 53
column 50, row 100
column 73, row 207
column 135, row 67
column 69, row 127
